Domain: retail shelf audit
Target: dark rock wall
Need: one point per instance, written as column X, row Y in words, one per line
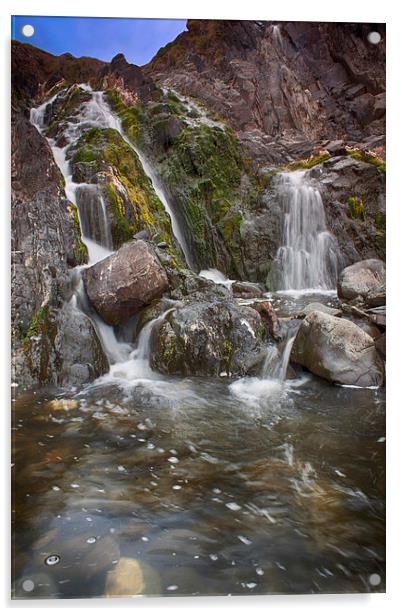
column 294, row 82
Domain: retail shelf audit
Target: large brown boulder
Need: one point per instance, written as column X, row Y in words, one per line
column 365, row 280
column 122, row 284
column 337, row 350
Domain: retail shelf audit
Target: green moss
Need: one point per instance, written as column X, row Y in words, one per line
column 356, row 208
column 64, row 107
column 227, row 354
column 230, row 225
column 80, row 250
column 370, row 159
column 37, row 321
column 131, row 117
column 379, row 220
column 124, row 231
column 308, row 163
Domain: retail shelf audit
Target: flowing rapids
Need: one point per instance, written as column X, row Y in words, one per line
column 308, row 258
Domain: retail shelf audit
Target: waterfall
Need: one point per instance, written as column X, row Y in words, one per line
column 136, row 365
column 308, row 257
column 277, row 359
column 113, row 121
column 95, row 226
column 94, row 222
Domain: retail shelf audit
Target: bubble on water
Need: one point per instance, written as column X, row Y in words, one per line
column 121, row 468
column 74, row 485
column 28, row 585
column 244, row 540
column 56, row 489
column 173, row 460
column 173, row 451
column 381, row 439
column 251, row 585
column 91, row 540
column 144, row 539
column 213, row 556
column 196, row 556
column 375, row 579
column 259, row 571
column 150, row 446
column 177, row 487
column 173, row 587
column 51, row 560
column 216, row 491
column 88, row 518
column 233, row 506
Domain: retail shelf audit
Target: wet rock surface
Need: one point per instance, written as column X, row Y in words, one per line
column 337, row 350
column 124, row 283
column 364, row 280
column 208, row 336
column 64, row 351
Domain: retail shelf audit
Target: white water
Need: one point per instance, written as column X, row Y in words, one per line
column 94, row 223
column 308, row 257
column 217, row 277
column 134, row 366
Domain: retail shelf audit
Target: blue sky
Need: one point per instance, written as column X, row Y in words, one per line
column 99, row 37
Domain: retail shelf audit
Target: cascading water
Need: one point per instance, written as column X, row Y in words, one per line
column 308, row 258
column 95, row 226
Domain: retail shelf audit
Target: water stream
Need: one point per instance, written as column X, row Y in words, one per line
column 308, row 258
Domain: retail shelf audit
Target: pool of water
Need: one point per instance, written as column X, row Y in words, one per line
column 198, row 487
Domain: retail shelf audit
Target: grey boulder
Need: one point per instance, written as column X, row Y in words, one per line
column 338, row 351
column 364, row 279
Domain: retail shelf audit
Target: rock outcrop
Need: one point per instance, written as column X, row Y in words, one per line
column 62, row 349
column 209, row 335
column 125, row 282
column 338, row 351
column 363, row 281
column 281, row 86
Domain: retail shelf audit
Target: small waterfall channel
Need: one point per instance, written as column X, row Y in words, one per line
column 95, row 226
column 308, row 257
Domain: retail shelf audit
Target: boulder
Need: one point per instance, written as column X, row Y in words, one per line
column 126, row 281
column 337, row 350
column 63, row 350
column 363, row 279
column 209, row 335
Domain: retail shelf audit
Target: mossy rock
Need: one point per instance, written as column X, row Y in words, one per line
column 356, row 208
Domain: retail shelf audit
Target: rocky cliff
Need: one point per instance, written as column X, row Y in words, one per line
column 217, row 115
column 281, row 86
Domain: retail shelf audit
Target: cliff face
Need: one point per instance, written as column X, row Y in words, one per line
column 282, row 87
column 217, row 114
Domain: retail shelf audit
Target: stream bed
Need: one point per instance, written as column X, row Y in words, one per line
column 211, row 487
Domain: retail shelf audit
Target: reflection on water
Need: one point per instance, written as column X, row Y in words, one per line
column 192, row 486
